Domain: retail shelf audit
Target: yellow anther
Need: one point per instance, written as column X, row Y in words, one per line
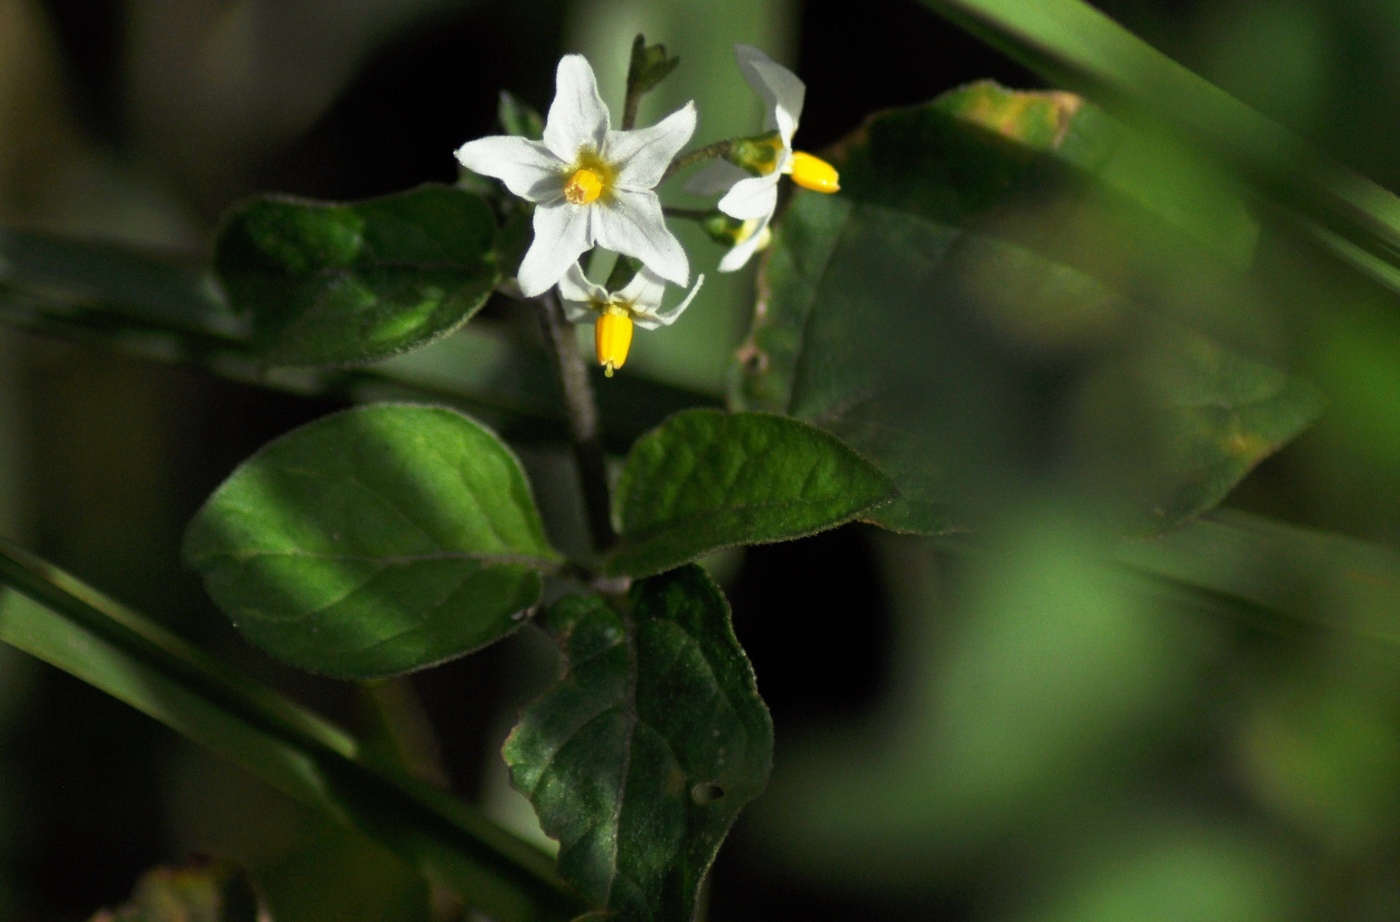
column 584, row 186
column 612, row 334
column 813, row 173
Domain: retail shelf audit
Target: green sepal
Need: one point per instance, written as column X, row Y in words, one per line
column 758, row 154
column 648, row 66
column 519, row 118
column 375, row 541
column 641, row 757
column 341, row 284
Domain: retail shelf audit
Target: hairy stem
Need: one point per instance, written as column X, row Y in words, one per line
column 635, row 91
column 582, row 412
column 708, row 152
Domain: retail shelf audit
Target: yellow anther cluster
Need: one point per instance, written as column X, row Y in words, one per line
column 612, row 335
column 583, row 187
column 814, row 173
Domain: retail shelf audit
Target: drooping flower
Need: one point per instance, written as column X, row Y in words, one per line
column 750, row 198
column 591, row 186
column 614, row 313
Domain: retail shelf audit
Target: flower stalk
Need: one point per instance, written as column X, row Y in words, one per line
column 581, row 412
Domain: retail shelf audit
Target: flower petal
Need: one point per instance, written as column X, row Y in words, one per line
column 632, row 224
column 577, row 117
column 643, row 294
column 780, row 88
column 739, row 255
column 562, row 233
column 575, row 312
column 575, row 287
column 641, row 156
column 751, row 198
column 668, row 316
column 527, row 167
column 715, row 178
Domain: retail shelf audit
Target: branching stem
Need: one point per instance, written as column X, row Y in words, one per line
column 581, row 410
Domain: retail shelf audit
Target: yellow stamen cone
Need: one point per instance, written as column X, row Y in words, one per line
column 583, row 187
column 814, row 173
column 612, row 334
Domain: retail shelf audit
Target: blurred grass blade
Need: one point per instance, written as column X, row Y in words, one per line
column 164, row 308
column 1308, row 576
column 135, row 286
column 63, row 622
column 1076, row 47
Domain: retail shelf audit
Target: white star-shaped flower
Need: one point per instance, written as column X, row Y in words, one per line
column 752, row 199
column 591, row 186
column 615, row 312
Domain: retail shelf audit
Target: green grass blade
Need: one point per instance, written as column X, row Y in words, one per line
column 60, row 620
column 1076, row 47
column 1306, row 576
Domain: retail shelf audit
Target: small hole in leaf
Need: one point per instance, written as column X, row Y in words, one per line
column 706, row 792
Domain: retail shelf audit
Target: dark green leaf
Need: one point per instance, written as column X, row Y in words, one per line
column 374, row 541
column 329, row 284
column 204, row 890
column 705, row 480
column 640, row 759
column 1220, row 414
column 955, row 315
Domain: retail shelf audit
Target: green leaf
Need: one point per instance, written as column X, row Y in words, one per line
column 330, row 284
column 640, row 759
column 374, row 541
column 955, row 315
column 705, row 480
column 204, row 890
column 71, row 626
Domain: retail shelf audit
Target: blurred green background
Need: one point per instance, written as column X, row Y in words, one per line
column 1020, row 733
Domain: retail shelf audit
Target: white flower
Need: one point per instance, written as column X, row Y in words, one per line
column 752, row 199
column 614, row 313
column 591, row 186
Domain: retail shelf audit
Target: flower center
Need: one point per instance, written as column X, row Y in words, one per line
column 814, row 173
column 612, row 335
column 583, row 187
column 590, row 180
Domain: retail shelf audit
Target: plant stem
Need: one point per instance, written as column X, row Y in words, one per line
column 581, row 411
column 708, row 152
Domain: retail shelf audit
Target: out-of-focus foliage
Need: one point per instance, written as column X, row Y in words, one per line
column 958, row 281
